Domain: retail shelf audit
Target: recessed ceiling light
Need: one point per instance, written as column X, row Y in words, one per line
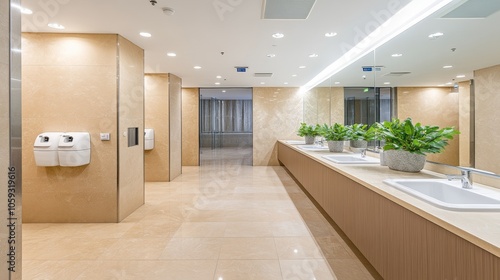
column 197, row 67
column 218, row 77
column 294, row 75
column 55, row 25
column 223, row 91
column 436, row 35
column 330, row 34
column 286, row 83
column 337, row 83
column 168, row 11
column 145, row 34
column 441, row 85
column 313, row 55
column 171, row 54
column 449, row 83
column 217, row 83
column 460, row 76
column 387, row 83
column 278, row 35
column 271, row 55
column 397, row 55
column 302, row 67
column 447, row 66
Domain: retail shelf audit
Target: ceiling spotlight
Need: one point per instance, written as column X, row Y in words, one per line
column 278, row 35
column 145, row 34
column 436, row 35
column 397, row 55
column 285, row 83
column 168, row 11
column 271, row 55
column 387, row 83
column 337, row 83
column 302, row 67
column 55, row 26
column 217, row 83
column 313, row 55
column 294, row 75
column 460, row 76
column 447, row 66
column 218, row 77
column 330, row 34
column 262, row 83
column 197, row 67
column 171, row 54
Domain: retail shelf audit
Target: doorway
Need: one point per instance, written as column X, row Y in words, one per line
column 226, row 125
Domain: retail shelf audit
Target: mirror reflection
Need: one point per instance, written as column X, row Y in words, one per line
column 444, row 71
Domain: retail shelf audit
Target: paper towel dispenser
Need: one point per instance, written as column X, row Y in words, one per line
column 74, row 149
column 45, row 149
column 149, row 139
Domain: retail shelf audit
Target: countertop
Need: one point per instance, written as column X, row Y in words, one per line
column 479, row 228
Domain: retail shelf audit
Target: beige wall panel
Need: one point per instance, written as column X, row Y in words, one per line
column 487, row 87
column 130, row 114
column 432, row 106
column 79, row 97
column 157, row 117
column 277, row 114
column 337, row 105
column 464, row 103
column 190, row 127
column 175, row 103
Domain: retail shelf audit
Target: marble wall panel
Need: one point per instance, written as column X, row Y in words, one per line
column 157, row 117
column 130, row 115
column 487, row 118
column 175, row 120
column 432, row 106
column 277, row 114
column 190, row 127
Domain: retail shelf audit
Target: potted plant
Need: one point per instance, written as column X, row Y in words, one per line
column 359, row 135
column 335, row 136
column 407, row 144
column 309, row 132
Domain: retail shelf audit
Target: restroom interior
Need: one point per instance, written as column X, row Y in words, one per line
column 212, row 153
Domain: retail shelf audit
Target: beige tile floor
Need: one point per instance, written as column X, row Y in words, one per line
column 224, row 220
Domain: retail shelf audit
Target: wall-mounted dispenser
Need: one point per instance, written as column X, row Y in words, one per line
column 149, row 139
column 74, row 149
column 45, row 149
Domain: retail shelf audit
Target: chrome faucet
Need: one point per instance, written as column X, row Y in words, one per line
column 465, row 177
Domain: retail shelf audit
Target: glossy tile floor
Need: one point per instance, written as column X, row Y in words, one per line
column 221, row 221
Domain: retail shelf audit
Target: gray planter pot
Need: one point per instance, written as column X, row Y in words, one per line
column 360, row 144
column 404, row 161
column 357, row 146
column 382, row 158
column 309, row 139
column 336, row 146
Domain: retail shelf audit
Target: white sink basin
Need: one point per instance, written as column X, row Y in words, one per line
column 352, row 158
column 312, row 148
column 449, row 194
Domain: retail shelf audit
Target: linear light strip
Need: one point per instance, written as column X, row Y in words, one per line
column 405, row 18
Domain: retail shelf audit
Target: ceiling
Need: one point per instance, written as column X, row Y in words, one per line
column 221, row 34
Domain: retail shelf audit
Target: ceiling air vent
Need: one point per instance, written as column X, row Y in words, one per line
column 287, row 9
column 475, row 9
column 263, row 75
column 397, row 74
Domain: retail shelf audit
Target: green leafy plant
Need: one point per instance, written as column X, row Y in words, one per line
column 418, row 139
column 336, row 132
column 309, row 130
column 359, row 131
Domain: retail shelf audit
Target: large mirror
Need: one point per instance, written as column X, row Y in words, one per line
column 443, row 71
